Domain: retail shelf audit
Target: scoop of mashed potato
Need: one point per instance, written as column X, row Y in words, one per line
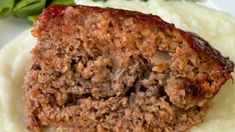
column 216, row 27
column 14, row 58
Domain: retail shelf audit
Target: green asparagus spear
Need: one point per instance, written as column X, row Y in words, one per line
column 25, row 8
column 62, row 2
column 6, row 7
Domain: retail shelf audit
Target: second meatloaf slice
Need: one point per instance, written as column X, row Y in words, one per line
column 99, row 69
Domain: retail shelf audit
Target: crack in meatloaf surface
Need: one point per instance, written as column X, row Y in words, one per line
column 97, row 69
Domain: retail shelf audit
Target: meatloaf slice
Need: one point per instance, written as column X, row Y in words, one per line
column 97, row 69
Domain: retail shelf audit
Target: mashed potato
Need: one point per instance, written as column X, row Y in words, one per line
column 216, row 27
column 14, row 58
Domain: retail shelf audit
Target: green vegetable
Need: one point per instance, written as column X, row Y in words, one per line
column 62, row 2
column 99, row 0
column 32, row 19
column 25, row 8
column 6, row 7
column 48, row 2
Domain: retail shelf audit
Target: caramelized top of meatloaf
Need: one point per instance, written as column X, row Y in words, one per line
column 97, row 69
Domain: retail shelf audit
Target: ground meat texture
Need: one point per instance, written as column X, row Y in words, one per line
column 99, row 70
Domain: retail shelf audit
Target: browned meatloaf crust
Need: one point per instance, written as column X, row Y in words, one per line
column 100, row 69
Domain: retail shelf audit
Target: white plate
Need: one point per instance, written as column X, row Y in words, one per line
column 10, row 27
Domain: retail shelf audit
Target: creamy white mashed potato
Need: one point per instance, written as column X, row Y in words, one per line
column 14, row 58
column 216, row 27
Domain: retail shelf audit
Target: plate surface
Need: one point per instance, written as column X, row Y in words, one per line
column 10, row 27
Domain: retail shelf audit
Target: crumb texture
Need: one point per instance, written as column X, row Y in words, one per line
column 99, row 69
